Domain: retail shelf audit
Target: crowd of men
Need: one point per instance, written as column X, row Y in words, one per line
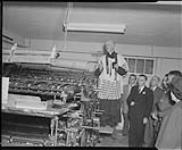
column 152, row 114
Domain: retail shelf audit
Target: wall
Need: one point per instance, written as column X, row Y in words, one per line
column 167, row 58
column 20, row 40
column 126, row 49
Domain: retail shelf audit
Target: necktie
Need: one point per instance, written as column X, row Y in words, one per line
column 139, row 90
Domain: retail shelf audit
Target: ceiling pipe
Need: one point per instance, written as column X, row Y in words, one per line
column 68, row 12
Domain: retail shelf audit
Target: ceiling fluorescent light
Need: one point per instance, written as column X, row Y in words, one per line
column 97, row 28
column 169, row 2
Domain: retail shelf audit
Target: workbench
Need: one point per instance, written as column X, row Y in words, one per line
column 51, row 113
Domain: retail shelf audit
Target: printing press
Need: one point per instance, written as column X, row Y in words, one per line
column 50, row 107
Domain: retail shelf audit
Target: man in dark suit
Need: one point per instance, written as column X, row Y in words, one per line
column 126, row 92
column 140, row 103
column 151, row 128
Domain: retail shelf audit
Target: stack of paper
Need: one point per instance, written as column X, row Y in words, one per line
column 26, row 102
column 19, row 97
column 31, row 105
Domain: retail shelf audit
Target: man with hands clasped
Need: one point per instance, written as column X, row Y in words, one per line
column 140, row 103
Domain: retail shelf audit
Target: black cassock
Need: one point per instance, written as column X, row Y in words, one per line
column 140, row 106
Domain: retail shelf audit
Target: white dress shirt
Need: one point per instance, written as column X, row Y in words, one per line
column 141, row 89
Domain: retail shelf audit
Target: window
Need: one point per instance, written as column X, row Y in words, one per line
column 149, row 68
column 131, row 64
column 140, row 66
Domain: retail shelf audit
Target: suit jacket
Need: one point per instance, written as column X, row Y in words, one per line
column 126, row 93
column 158, row 93
column 151, row 126
column 140, row 104
column 170, row 134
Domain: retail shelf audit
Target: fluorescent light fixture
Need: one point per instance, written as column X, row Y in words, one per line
column 96, row 28
column 162, row 3
column 169, row 2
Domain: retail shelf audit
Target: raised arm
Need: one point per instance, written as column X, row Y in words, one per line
column 122, row 67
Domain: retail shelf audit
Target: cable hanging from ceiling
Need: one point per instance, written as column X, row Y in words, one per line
column 66, row 21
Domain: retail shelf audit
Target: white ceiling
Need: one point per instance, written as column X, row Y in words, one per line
column 150, row 24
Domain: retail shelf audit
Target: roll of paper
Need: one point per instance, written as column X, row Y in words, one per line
column 31, row 105
column 5, row 87
column 19, row 97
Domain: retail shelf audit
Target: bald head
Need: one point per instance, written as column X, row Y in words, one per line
column 109, row 46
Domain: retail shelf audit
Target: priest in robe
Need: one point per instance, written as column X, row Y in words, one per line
column 111, row 70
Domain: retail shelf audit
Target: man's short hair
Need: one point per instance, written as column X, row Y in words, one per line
column 166, row 75
column 158, row 78
column 175, row 73
column 133, row 75
column 142, row 75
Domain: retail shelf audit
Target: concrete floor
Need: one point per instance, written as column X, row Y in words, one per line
column 109, row 141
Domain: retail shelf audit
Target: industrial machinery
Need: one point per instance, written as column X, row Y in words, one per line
column 74, row 91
